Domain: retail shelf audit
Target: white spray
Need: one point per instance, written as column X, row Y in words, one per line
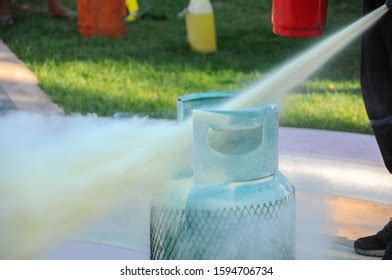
column 58, row 172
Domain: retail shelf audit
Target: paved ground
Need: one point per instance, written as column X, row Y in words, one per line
column 19, row 88
column 349, row 220
column 355, row 186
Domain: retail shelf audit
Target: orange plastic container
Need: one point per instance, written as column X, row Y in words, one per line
column 101, row 18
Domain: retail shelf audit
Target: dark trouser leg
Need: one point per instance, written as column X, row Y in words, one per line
column 376, row 79
column 5, row 8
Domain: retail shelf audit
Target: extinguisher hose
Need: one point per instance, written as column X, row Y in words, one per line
column 389, row 4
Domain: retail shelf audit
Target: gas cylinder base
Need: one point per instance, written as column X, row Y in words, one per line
column 252, row 232
column 297, row 33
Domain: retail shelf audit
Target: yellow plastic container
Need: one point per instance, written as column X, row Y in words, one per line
column 133, row 9
column 200, row 24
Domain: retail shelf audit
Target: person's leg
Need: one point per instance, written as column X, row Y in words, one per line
column 57, row 9
column 376, row 84
column 388, row 253
column 375, row 245
column 5, row 12
column 376, row 79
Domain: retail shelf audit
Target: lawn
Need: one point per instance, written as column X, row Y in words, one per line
column 145, row 71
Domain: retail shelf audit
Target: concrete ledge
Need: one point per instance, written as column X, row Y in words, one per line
column 21, row 86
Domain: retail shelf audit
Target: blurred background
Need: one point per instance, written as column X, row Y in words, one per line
column 146, row 71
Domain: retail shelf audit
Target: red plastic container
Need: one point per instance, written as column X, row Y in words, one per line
column 299, row 18
column 101, row 18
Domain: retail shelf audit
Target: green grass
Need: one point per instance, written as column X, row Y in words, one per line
column 152, row 65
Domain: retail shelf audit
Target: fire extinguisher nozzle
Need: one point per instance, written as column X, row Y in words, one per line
column 389, row 4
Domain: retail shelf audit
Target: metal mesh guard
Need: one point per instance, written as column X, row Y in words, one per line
column 263, row 231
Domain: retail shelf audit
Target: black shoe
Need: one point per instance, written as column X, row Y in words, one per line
column 388, row 252
column 375, row 245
